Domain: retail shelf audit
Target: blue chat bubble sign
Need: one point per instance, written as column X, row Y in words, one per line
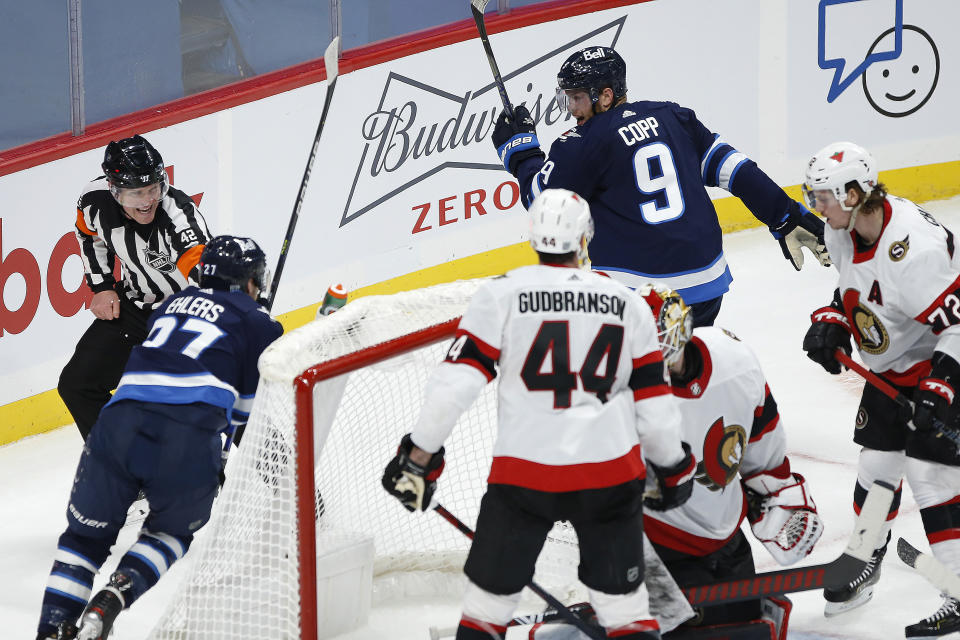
column 840, row 48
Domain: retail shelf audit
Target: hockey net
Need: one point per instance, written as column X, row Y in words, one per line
column 334, row 400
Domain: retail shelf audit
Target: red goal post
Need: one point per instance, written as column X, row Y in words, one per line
column 335, row 398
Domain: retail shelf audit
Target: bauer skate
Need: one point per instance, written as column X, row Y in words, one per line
column 860, row 590
column 98, row 617
column 66, row 631
column 942, row 624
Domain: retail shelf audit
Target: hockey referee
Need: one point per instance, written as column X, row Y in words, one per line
column 131, row 213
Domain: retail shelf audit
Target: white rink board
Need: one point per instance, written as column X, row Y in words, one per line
column 380, row 205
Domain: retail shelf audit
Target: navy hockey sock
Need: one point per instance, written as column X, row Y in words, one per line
column 149, row 559
column 68, row 590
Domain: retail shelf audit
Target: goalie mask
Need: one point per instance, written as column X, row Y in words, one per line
column 560, row 223
column 836, row 166
column 673, row 318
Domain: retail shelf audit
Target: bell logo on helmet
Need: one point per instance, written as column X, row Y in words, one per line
column 593, row 55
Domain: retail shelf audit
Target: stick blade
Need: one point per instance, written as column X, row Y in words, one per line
column 479, row 5
column 331, row 59
column 907, row 552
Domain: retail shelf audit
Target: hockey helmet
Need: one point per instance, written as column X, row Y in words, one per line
column 592, row 70
column 133, row 163
column 228, row 262
column 673, row 319
column 836, row 166
column 560, row 223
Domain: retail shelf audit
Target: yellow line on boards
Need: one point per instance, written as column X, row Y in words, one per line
column 45, row 411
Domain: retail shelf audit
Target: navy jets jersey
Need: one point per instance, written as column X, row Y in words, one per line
column 643, row 167
column 203, row 346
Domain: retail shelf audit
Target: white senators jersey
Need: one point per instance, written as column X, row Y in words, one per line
column 582, row 381
column 902, row 294
column 731, row 422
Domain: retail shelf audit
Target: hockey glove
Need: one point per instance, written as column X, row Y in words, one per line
column 410, row 483
column 797, row 229
column 934, row 395
column 673, row 484
column 515, row 139
column 783, row 515
column 830, row 331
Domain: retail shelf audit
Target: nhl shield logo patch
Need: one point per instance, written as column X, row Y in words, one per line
column 159, row 261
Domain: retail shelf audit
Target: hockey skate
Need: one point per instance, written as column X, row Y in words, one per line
column 945, row 623
column 859, row 590
column 66, row 631
column 98, row 617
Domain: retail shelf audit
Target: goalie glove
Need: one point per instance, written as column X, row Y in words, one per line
column 799, row 228
column 783, row 515
column 410, row 483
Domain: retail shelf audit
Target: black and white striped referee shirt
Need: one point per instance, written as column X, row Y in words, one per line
column 156, row 259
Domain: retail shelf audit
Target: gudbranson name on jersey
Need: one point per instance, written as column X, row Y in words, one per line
column 562, row 301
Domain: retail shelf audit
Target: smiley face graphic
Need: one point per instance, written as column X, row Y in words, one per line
column 898, row 87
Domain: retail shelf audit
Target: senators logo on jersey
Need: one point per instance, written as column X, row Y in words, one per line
column 869, row 332
column 723, row 450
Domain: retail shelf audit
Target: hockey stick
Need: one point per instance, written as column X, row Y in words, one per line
column 888, row 390
column 863, row 541
column 330, row 62
column 930, row 568
column 568, row 615
column 477, row 7
column 547, row 615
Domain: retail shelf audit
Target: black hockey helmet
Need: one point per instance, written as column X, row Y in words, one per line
column 132, row 163
column 592, row 70
column 227, row 262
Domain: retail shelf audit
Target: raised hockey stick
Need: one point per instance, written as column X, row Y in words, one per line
column 930, row 568
column 547, row 615
column 863, row 540
column 477, row 7
column 330, row 62
column 563, row 611
column 888, row 390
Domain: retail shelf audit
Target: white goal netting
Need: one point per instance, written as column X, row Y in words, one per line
column 361, row 373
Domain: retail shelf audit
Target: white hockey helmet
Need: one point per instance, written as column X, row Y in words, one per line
column 834, row 167
column 560, row 223
column 673, row 319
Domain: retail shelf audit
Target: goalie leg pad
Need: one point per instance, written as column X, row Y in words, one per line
column 753, row 630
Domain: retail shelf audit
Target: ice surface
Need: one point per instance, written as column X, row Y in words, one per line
column 768, row 307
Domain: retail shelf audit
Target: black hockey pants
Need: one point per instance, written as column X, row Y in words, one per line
column 97, row 363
